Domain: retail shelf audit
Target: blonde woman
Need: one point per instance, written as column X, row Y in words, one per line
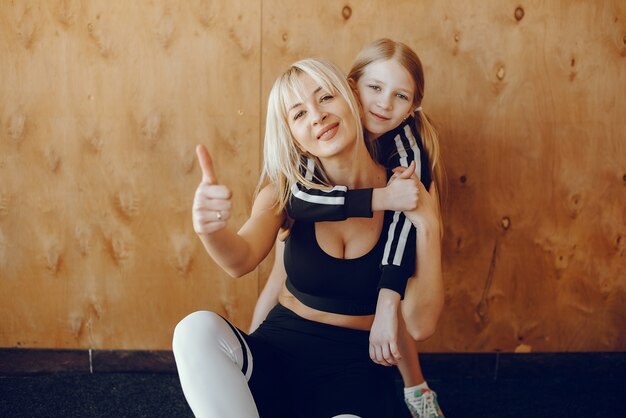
column 304, row 360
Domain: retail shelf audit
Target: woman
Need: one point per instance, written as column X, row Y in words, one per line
column 304, row 360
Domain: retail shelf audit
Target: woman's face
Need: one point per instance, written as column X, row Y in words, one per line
column 386, row 91
column 322, row 123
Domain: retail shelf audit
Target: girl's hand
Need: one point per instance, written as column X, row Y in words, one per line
column 384, row 333
column 426, row 216
column 401, row 193
column 212, row 201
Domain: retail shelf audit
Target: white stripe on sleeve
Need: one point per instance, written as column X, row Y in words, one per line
column 404, row 234
column 401, row 151
column 310, row 169
column 322, row 200
column 416, row 151
column 390, row 234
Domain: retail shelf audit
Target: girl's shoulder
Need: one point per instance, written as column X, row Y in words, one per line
column 406, row 130
column 400, row 139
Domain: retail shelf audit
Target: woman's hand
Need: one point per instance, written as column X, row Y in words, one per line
column 384, row 333
column 400, row 194
column 211, row 203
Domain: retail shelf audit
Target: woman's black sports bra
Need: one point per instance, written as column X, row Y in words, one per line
column 329, row 284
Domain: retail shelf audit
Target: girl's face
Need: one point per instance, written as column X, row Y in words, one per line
column 322, row 123
column 386, row 91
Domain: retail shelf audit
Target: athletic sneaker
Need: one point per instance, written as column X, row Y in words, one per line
column 424, row 404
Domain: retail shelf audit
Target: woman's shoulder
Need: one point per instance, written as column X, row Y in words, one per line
column 266, row 197
column 266, row 203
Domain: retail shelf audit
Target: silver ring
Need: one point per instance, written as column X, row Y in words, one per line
column 219, row 215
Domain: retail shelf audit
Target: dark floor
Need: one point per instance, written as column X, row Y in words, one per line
column 160, row 395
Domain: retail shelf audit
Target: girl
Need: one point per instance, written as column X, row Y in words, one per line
column 388, row 79
column 305, row 360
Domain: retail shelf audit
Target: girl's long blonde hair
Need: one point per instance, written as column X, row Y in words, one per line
column 387, row 49
column 284, row 161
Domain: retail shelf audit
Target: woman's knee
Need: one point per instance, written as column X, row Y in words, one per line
column 199, row 327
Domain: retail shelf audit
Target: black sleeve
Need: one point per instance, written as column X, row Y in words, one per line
column 398, row 263
column 338, row 204
column 402, row 146
column 399, row 148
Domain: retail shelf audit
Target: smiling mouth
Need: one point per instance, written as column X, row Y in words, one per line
column 379, row 117
column 329, row 132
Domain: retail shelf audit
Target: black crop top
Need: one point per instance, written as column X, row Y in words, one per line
column 330, row 284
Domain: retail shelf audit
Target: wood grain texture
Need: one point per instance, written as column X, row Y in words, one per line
column 102, row 103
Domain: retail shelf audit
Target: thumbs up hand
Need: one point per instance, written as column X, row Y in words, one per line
column 212, row 201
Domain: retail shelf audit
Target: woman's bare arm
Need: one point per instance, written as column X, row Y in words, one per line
column 424, row 296
column 269, row 295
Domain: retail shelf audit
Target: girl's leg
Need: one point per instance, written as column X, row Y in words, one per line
column 214, row 365
column 409, row 364
column 421, row 401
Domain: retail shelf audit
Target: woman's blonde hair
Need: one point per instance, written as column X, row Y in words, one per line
column 387, row 49
column 284, row 161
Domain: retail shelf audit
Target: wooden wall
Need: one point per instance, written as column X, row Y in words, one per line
column 102, row 102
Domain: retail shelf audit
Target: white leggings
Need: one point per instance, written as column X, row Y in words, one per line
column 214, row 365
column 209, row 358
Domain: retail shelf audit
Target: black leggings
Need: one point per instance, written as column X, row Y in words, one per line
column 305, row 369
